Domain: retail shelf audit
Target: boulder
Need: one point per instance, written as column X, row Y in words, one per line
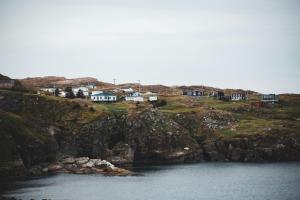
column 71, row 167
column 82, row 160
column 103, row 164
column 69, row 160
column 45, row 170
column 89, row 164
column 55, row 167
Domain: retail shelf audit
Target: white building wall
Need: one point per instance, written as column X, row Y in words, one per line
column 132, row 98
column 153, row 98
column 104, row 98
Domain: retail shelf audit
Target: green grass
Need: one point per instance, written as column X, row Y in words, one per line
column 14, row 125
column 282, row 117
column 228, row 132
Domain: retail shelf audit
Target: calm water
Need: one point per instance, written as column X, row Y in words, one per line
column 192, row 181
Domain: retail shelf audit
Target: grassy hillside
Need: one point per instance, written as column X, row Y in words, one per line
column 223, row 117
column 280, row 118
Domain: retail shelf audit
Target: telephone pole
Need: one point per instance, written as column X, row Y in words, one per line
column 139, row 85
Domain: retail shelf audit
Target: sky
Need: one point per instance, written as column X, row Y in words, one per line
column 227, row 44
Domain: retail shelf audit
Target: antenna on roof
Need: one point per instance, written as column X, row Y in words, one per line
column 114, row 81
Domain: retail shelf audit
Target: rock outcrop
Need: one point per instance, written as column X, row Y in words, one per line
column 81, row 165
column 253, row 149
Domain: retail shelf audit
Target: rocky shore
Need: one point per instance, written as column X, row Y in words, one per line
column 80, row 165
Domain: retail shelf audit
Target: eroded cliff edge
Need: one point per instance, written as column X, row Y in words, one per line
column 40, row 129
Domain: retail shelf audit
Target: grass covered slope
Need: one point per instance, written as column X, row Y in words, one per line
column 242, row 117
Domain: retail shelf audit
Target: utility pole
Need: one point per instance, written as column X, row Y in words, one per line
column 139, row 86
column 114, row 81
column 53, row 93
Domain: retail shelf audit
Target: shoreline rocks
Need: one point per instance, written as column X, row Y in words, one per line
column 81, row 165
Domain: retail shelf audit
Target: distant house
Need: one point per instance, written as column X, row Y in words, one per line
column 193, row 92
column 91, row 86
column 49, row 90
column 62, row 93
column 238, row 96
column 84, row 90
column 7, row 84
column 134, row 96
column 127, row 90
column 151, row 96
column 269, row 98
column 220, row 95
column 104, row 97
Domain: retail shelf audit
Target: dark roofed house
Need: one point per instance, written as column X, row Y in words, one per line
column 7, row 84
column 220, row 95
column 269, row 98
column 193, row 92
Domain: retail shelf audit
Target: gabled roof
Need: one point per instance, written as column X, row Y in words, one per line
column 136, row 94
column 104, row 94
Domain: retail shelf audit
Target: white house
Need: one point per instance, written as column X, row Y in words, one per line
column 151, row 96
column 62, row 94
column 85, row 90
column 91, row 86
column 134, row 96
column 50, row 90
column 127, row 90
column 238, row 96
column 104, row 97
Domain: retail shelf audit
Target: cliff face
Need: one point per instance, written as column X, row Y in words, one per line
column 74, row 129
column 37, row 129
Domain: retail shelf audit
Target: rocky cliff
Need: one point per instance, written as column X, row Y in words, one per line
column 42, row 129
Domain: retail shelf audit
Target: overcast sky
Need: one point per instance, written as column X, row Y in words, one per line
column 253, row 44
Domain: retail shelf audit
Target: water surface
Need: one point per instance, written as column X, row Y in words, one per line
column 274, row 181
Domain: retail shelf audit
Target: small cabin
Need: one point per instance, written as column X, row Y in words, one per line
column 271, row 98
column 91, row 86
column 151, row 96
column 84, row 90
column 220, row 95
column 193, row 93
column 104, row 97
column 134, row 96
column 238, row 96
column 47, row 90
column 127, row 90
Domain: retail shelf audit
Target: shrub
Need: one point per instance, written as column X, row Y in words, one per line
column 159, row 103
column 76, row 106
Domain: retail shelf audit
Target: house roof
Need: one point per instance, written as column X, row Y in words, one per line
column 103, row 94
column 127, row 90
